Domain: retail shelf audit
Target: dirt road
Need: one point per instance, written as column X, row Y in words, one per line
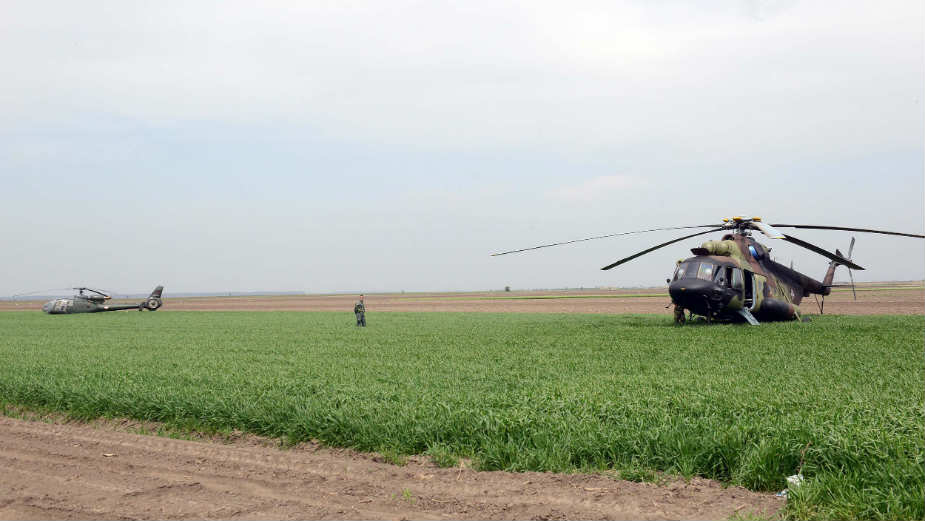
column 78, row 471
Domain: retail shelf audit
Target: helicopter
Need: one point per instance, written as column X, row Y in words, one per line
column 95, row 302
column 734, row 279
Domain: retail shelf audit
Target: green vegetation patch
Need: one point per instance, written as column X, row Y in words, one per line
column 631, row 394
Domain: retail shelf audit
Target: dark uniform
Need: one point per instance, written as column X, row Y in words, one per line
column 360, row 311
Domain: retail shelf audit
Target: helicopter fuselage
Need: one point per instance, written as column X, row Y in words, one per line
column 63, row 306
column 83, row 303
column 735, row 278
column 735, row 274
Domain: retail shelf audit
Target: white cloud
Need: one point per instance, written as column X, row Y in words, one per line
column 485, row 74
column 598, row 188
column 438, row 132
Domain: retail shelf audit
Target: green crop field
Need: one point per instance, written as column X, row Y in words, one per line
column 517, row 391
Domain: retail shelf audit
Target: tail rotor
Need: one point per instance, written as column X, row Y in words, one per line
column 153, row 302
column 850, row 272
column 840, row 260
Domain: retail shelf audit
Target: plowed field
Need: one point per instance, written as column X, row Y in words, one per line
column 73, row 471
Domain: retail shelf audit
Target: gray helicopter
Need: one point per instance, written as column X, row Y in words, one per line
column 95, row 302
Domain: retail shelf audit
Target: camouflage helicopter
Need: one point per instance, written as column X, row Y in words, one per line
column 735, row 279
column 95, row 302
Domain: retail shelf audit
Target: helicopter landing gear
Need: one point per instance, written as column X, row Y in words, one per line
column 709, row 315
column 679, row 317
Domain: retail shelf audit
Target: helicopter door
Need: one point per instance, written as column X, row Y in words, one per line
column 732, row 279
column 735, row 279
column 758, row 289
column 749, row 299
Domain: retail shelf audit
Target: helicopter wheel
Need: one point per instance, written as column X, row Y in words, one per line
column 679, row 317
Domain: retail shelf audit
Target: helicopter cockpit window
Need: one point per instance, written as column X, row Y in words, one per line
column 706, row 271
column 686, row 269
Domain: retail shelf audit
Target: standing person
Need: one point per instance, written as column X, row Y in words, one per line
column 360, row 311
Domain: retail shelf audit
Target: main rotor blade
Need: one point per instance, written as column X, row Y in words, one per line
column 845, row 229
column 812, row 247
column 98, row 292
column 601, row 237
column 851, row 247
column 44, row 291
column 767, row 229
column 643, row 252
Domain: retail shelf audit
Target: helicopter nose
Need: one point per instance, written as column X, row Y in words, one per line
column 47, row 307
column 698, row 295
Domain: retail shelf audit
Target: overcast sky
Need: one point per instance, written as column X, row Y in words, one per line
column 387, row 146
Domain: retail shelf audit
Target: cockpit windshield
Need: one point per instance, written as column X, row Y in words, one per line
column 686, row 270
column 693, row 269
column 706, row 271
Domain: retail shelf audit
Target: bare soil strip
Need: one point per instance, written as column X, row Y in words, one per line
column 890, row 298
column 870, row 301
column 77, row 471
